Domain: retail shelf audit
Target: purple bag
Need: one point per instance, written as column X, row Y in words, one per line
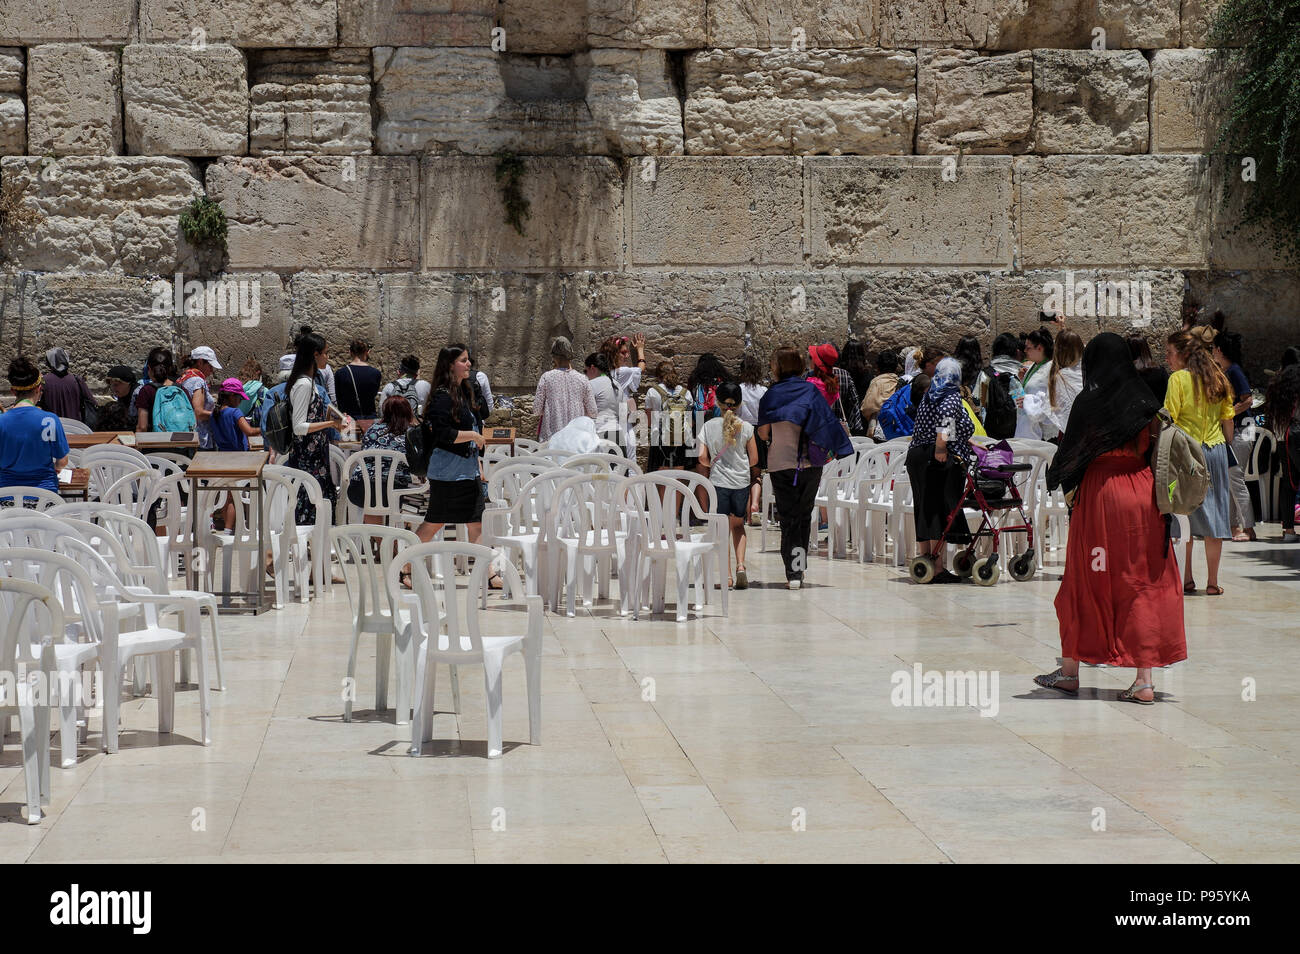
column 993, row 460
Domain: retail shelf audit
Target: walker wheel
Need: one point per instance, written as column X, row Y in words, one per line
column 1022, row 567
column 963, row 564
column 921, row 569
column 986, row 571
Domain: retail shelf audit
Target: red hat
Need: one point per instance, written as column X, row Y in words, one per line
column 823, row 356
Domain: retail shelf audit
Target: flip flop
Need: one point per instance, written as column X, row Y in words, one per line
column 1214, row 591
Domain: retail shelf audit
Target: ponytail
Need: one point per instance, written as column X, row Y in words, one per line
column 1193, row 346
column 731, row 424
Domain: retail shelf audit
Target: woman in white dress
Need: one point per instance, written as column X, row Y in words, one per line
column 1033, row 408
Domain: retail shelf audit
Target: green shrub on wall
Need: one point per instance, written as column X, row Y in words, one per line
column 204, row 224
column 510, row 174
column 1257, row 113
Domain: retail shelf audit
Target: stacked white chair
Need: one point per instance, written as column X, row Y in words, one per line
column 586, row 535
column 525, row 446
column 522, row 528
column 306, row 547
column 29, row 613
column 73, row 426
column 600, row 463
column 379, row 485
column 27, row 498
column 451, row 624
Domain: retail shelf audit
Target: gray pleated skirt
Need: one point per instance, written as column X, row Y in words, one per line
column 1212, row 517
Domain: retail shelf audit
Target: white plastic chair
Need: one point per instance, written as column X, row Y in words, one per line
column 555, row 455
column 73, row 426
column 1262, row 470
column 368, row 551
column 451, row 623
column 379, row 484
column 525, row 446
column 836, row 492
column 28, row 498
column 27, row 647
column 305, row 546
column 522, row 527
column 508, row 480
column 603, row 463
column 585, row 531
column 496, row 456
column 338, row 457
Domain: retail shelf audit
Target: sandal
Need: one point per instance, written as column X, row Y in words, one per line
column 1053, row 680
column 742, row 578
column 404, row 579
column 1214, row 591
column 1130, row 694
column 1189, row 588
column 495, row 582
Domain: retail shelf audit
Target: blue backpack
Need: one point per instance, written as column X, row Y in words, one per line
column 172, row 410
column 895, row 420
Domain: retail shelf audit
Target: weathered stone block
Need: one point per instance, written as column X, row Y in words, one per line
column 890, row 309
column 1197, row 15
column 310, row 101
column 1106, row 211
column 479, row 102
column 13, row 108
column 30, row 22
column 911, row 211
column 544, row 26
column 1260, row 304
column 662, row 24
column 575, row 214
column 104, row 213
column 795, row 309
column 969, row 103
column 1029, row 24
column 1146, row 301
column 75, row 100
column 303, row 212
column 416, row 22
column 244, row 23
column 184, row 102
column 717, row 211
column 792, row 24
column 777, row 102
column 513, row 345
column 1179, row 106
column 1091, row 101
column 236, row 338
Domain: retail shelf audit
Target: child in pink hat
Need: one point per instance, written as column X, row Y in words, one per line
column 230, row 429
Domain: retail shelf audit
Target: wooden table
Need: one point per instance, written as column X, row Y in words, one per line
column 146, row 441
column 95, row 439
column 500, row 435
column 79, row 486
column 223, row 470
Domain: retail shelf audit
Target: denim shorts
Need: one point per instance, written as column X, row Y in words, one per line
column 734, row 503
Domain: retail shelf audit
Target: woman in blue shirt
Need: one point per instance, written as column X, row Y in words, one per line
column 33, row 448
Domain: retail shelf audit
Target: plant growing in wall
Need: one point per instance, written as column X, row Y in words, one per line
column 1256, row 112
column 204, row 224
column 510, row 176
column 17, row 218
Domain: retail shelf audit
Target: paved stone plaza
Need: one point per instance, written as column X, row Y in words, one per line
column 779, row 714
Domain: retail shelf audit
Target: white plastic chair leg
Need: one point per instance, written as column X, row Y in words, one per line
column 165, row 674
column 492, row 686
column 533, row 667
column 383, row 660
column 31, row 743
column 68, row 729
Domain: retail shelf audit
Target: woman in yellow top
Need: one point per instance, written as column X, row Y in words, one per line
column 1200, row 401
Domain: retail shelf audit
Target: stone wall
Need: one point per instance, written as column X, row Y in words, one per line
column 716, row 173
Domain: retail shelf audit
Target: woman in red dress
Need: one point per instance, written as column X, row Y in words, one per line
column 1121, row 601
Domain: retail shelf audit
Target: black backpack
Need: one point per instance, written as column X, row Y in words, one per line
column 278, row 433
column 999, row 407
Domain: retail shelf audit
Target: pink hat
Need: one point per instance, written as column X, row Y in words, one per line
column 234, row 386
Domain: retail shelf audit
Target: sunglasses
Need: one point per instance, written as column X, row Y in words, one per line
column 731, row 405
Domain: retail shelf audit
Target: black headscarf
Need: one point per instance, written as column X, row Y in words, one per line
column 1114, row 405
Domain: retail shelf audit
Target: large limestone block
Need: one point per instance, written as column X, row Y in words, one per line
column 309, row 101
column 544, row 26
column 416, row 22
column 1197, row 15
column 1091, row 101
column 1106, row 211
column 717, row 211
column 682, row 314
column 1261, row 305
column 890, row 309
column 52, row 21
column 661, row 24
column 516, row 314
column 795, row 309
column 1125, row 301
column 1179, row 100
column 103, row 213
column 575, row 214
column 244, row 23
column 777, row 102
column 297, row 213
column 184, row 102
column 971, row 103
column 792, row 24
column 262, row 336
column 1029, row 24
column 608, row 102
column 13, row 108
column 911, row 211
column 74, row 100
